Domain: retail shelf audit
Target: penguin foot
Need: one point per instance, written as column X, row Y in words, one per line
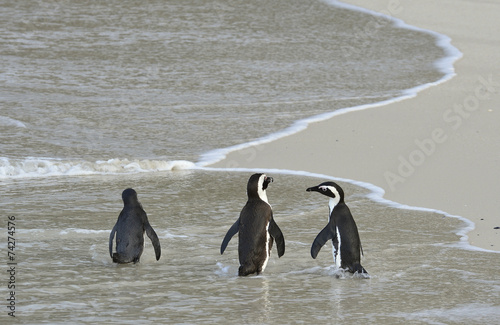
column 357, row 268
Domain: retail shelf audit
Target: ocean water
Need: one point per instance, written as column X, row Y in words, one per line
column 100, row 96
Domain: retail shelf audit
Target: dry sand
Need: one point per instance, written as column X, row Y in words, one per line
column 440, row 149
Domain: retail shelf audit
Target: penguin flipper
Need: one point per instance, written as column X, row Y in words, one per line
column 230, row 233
column 154, row 239
column 111, row 237
column 326, row 234
column 276, row 233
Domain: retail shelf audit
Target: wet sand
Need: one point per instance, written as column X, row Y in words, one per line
column 439, row 149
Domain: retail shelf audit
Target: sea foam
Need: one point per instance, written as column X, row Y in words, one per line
column 7, row 121
column 44, row 167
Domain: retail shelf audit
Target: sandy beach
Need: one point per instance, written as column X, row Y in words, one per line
column 437, row 150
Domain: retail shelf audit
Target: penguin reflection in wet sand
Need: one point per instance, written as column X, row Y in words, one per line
column 341, row 229
column 257, row 229
column 129, row 228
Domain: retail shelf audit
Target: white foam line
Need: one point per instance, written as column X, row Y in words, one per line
column 376, row 194
column 444, row 65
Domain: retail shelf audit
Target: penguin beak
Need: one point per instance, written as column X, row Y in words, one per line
column 269, row 179
column 313, row 189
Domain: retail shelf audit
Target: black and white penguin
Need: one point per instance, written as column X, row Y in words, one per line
column 129, row 228
column 257, row 229
column 341, row 229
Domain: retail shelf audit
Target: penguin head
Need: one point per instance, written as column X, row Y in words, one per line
column 129, row 196
column 329, row 189
column 257, row 185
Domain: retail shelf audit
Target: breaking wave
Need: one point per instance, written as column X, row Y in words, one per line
column 45, row 167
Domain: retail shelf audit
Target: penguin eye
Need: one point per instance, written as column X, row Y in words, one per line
column 323, row 188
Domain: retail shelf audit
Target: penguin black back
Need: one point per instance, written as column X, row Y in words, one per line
column 257, row 229
column 129, row 229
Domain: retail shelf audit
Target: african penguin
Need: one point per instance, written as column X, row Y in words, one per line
column 129, row 228
column 257, row 229
column 341, row 229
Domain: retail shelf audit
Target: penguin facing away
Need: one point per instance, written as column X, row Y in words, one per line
column 256, row 229
column 129, row 229
column 341, row 229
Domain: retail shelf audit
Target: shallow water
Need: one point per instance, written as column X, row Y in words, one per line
column 418, row 272
column 100, row 96
column 171, row 80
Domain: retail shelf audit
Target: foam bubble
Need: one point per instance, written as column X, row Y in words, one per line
column 7, row 121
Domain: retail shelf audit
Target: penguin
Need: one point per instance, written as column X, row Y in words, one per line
column 257, row 229
column 129, row 228
column 341, row 229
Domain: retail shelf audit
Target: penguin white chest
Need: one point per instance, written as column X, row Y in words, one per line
column 332, row 203
column 268, row 253
column 335, row 252
column 263, row 197
column 337, row 258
